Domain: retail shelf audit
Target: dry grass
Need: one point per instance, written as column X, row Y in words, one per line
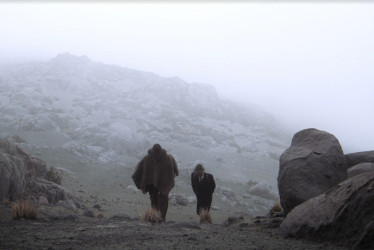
column 151, row 215
column 23, row 209
column 276, row 208
column 53, row 175
column 205, row 217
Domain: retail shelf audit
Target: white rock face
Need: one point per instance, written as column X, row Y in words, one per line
column 264, row 190
column 117, row 114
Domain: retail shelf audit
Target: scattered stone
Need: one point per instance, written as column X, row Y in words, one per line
column 191, row 199
column 263, row 190
column 181, row 200
column 132, row 188
column 88, row 213
column 232, row 220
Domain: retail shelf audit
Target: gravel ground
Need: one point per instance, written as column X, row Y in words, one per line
column 128, row 233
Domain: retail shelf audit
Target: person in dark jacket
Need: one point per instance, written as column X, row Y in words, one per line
column 203, row 185
column 155, row 174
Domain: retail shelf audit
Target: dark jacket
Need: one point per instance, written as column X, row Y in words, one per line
column 157, row 169
column 205, row 187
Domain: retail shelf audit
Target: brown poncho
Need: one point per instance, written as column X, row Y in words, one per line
column 157, row 168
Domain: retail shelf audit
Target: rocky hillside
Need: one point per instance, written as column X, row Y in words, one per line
column 115, row 114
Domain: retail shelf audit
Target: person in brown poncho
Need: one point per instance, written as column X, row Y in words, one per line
column 155, row 174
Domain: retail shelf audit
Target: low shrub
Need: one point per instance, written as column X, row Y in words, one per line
column 277, row 208
column 205, row 217
column 151, row 215
column 23, row 209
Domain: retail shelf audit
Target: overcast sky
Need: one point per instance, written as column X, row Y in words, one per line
column 310, row 64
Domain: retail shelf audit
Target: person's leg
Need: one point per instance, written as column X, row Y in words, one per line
column 199, row 205
column 204, row 203
column 153, row 195
column 163, row 204
column 208, row 203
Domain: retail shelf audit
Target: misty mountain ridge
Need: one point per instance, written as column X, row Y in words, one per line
column 114, row 113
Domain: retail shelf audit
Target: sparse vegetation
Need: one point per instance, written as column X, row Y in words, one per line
column 53, row 175
column 23, row 209
column 205, row 217
column 276, row 208
column 151, row 215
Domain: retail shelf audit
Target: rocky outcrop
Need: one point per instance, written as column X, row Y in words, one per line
column 344, row 215
column 13, row 171
column 360, row 168
column 12, row 177
column 359, row 157
column 54, row 193
column 22, row 177
column 310, row 166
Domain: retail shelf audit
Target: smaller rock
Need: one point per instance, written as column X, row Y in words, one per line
column 191, row 199
column 43, row 200
column 215, row 208
column 132, row 188
column 88, row 213
column 181, row 200
column 360, row 168
column 232, row 220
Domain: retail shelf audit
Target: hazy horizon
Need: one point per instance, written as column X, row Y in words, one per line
column 309, row 64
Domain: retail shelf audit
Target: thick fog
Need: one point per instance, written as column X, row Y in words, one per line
column 311, row 65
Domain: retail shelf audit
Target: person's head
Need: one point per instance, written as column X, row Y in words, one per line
column 156, row 148
column 199, row 170
column 157, row 153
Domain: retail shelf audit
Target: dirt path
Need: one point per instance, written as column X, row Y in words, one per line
column 127, row 233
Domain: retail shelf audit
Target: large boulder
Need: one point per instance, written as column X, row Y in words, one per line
column 359, row 157
column 310, row 166
column 13, row 171
column 344, row 215
column 360, row 168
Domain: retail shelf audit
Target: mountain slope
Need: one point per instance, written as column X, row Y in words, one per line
column 114, row 113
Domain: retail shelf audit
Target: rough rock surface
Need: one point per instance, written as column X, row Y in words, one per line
column 21, row 177
column 360, row 168
column 359, row 157
column 310, row 166
column 343, row 215
column 12, row 171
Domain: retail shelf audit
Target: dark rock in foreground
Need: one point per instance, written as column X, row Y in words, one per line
column 310, row 166
column 359, row 157
column 360, row 168
column 344, row 214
